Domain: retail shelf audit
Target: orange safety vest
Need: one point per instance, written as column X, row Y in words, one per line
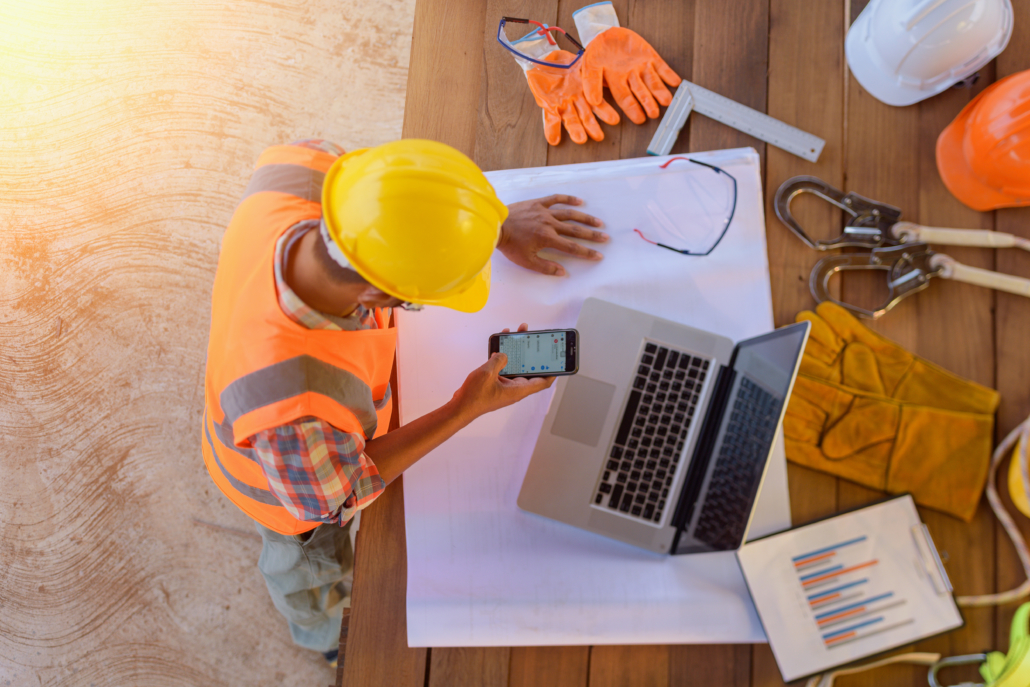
column 265, row 370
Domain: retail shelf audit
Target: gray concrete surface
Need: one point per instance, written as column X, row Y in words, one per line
column 127, row 131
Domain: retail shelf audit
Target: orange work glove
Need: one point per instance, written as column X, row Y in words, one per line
column 559, row 93
column 632, row 70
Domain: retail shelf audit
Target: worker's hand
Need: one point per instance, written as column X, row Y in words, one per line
column 485, row 391
column 533, row 225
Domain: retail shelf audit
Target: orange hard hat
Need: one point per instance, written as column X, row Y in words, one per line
column 983, row 156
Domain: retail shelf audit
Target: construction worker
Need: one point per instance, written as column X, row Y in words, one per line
column 297, row 390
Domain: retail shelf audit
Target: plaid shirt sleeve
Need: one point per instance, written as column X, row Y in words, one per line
column 317, row 472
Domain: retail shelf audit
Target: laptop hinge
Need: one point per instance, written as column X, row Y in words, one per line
column 703, row 452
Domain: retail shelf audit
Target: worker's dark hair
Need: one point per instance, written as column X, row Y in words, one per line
column 337, row 273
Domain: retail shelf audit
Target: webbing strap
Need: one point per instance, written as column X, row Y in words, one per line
column 260, row 495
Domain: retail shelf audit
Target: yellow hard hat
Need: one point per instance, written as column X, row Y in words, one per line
column 416, row 219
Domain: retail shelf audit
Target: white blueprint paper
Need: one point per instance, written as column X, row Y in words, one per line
column 483, row 573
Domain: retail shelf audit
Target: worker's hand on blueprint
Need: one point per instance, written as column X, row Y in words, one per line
column 485, row 391
column 534, row 225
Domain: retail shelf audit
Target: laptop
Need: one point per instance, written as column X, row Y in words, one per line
column 663, row 438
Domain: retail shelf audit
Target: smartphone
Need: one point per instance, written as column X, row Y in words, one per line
column 543, row 353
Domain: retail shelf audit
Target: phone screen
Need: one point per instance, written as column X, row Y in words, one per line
column 533, row 352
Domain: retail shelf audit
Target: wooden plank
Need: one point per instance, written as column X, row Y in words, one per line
column 891, row 157
column 640, row 666
column 509, row 130
column 377, row 652
column 1012, row 332
column 669, row 28
column 444, row 75
column 731, row 57
column 557, row 666
column 478, row 667
column 705, row 665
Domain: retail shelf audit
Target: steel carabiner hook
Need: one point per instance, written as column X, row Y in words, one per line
column 868, row 225
column 908, row 268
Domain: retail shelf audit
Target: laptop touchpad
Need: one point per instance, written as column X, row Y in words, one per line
column 584, row 406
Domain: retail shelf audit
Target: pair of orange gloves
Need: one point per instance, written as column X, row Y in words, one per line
column 617, row 58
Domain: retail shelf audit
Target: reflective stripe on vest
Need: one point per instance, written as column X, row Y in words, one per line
column 295, row 376
column 264, row 369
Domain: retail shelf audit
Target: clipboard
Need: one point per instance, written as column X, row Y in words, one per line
column 849, row 587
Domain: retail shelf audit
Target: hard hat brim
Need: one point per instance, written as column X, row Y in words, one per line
column 955, row 170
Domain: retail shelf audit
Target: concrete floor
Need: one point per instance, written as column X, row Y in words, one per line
column 127, row 132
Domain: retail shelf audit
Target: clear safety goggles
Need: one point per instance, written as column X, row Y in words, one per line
column 699, row 212
column 525, row 47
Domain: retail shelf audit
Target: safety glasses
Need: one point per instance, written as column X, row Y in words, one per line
column 715, row 206
column 556, row 36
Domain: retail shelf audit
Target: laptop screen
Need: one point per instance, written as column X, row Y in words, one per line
column 770, row 359
column 743, row 421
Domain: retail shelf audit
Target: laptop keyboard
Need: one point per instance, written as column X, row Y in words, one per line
column 738, row 466
column 643, row 457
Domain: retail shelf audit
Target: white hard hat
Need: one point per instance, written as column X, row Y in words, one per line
column 904, row 51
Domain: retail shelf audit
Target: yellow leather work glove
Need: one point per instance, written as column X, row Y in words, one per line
column 843, row 351
column 633, row 71
column 940, row 456
column 559, row 93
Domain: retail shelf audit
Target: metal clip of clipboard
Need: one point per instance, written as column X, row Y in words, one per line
column 931, row 560
column 731, row 113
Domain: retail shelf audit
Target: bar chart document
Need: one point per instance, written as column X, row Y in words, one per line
column 849, row 587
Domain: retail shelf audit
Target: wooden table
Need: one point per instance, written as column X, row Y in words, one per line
column 784, row 57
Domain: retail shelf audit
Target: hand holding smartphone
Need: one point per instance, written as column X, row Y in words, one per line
column 540, row 353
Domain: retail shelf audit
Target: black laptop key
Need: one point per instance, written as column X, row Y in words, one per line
column 649, row 430
column 606, row 488
column 675, row 429
column 682, row 406
column 666, row 419
column 667, row 374
column 640, row 498
column 680, row 374
column 655, row 376
column 613, row 465
column 659, row 361
column 635, row 510
column 673, row 358
column 662, row 430
column 648, row 399
column 664, row 386
column 634, row 475
column 655, row 453
column 660, row 474
column 692, row 373
column 649, row 511
column 638, row 464
column 633, row 443
column 639, row 382
column 636, row 432
column 647, row 359
column 650, row 465
column 676, row 387
column 664, row 462
column 627, row 465
column 616, row 451
column 632, row 486
column 651, row 388
column 621, row 479
column 684, row 362
column 627, row 499
column 597, row 500
column 648, row 476
column 613, row 500
column 650, row 347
